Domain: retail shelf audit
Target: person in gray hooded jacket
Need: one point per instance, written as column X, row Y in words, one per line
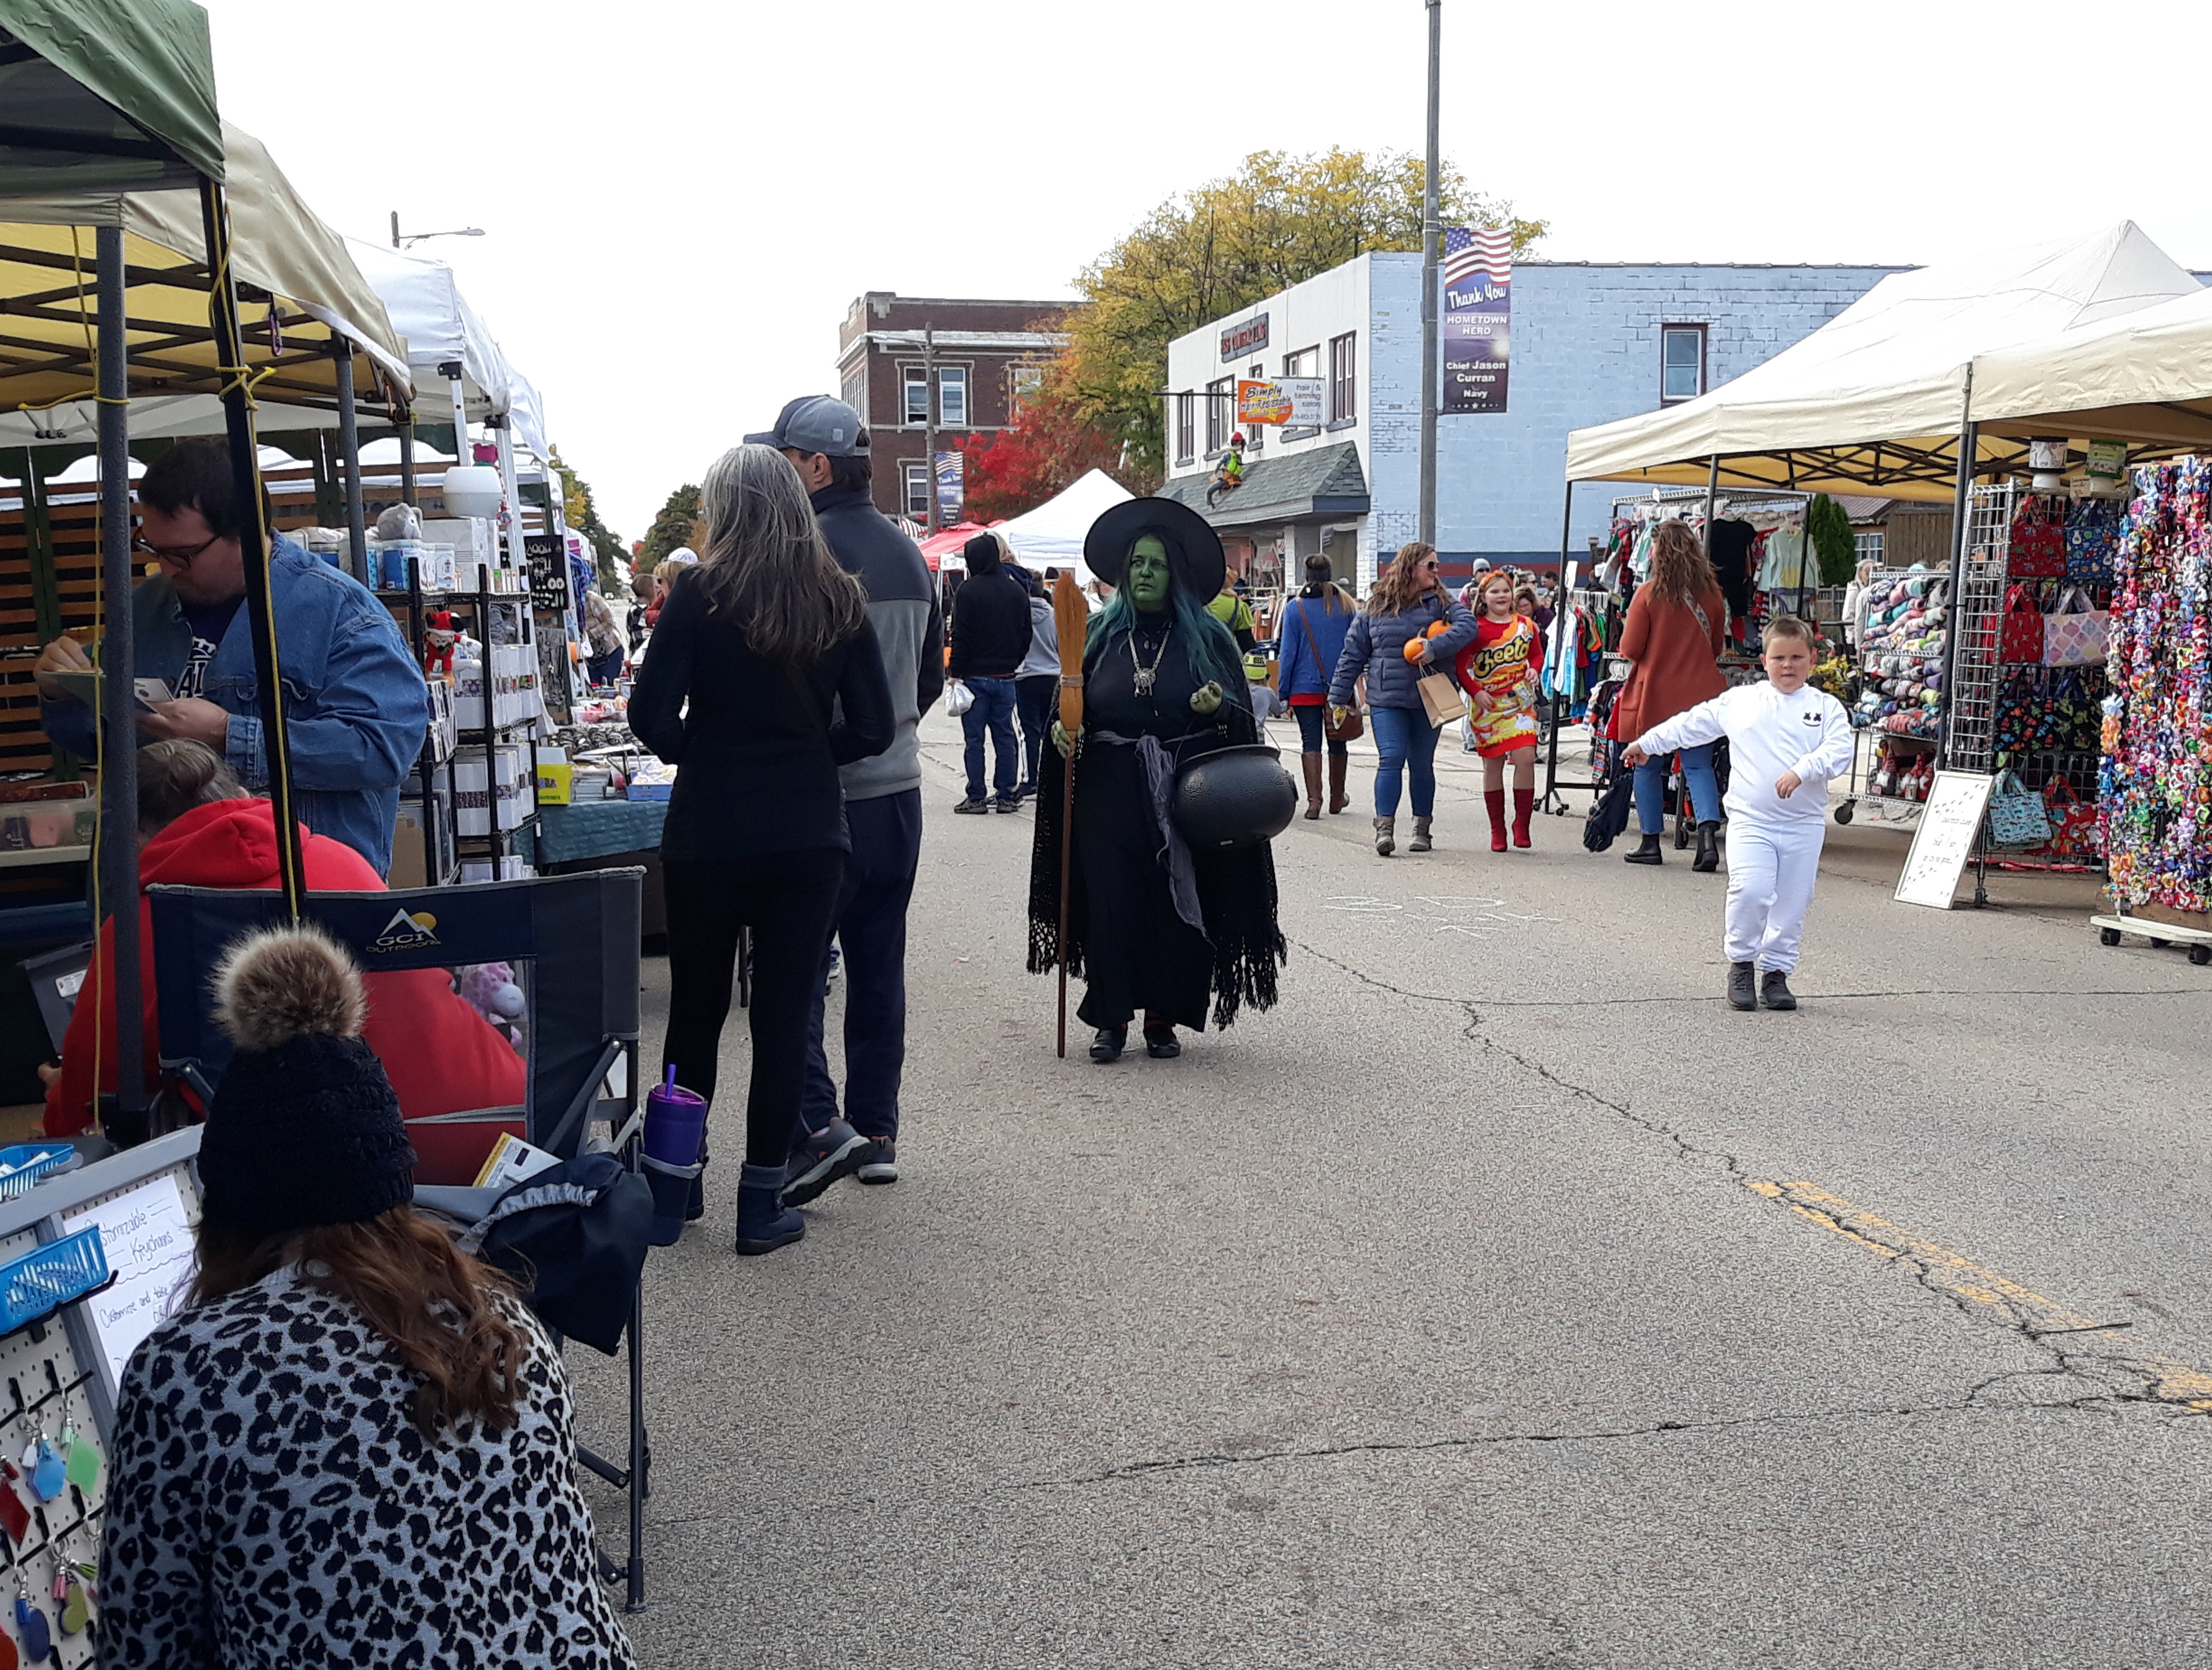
column 828, row 441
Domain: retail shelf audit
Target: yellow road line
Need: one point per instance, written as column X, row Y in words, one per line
column 2169, row 1381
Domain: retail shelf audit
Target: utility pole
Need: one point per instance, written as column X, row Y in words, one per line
column 1430, row 234
column 929, row 421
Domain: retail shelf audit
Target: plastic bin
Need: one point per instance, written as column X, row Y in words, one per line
column 37, row 1285
column 28, row 1164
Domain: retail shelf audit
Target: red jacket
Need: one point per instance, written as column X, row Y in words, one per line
column 442, row 1056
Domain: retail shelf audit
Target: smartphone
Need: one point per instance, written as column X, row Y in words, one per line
column 149, row 691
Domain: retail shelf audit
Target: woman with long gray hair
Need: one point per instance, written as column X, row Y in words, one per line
column 768, row 639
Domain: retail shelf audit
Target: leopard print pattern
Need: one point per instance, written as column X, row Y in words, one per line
column 271, row 1507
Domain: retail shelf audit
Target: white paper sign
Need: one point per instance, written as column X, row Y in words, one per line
column 1950, row 824
column 148, row 1234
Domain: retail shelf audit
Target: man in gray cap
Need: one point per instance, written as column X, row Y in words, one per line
column 828, row 442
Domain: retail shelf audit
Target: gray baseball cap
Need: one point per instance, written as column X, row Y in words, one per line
column 816, row 423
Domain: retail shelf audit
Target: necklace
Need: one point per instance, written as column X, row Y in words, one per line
column 1145, row 674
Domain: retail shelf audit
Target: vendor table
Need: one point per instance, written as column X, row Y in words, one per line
column 597, row 828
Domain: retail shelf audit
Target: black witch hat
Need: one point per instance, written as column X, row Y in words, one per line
column 1194, row 554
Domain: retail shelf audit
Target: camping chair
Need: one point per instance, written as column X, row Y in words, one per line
column 574, row 937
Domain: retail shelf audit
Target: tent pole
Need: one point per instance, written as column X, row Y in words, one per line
column 119, row 749
column 407, row 456
column 350, row 444
column 1961, row 498
column 252, row 539
column 511, row 490
column 1561, row 700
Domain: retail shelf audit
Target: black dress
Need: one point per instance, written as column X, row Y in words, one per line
column 1134, row 952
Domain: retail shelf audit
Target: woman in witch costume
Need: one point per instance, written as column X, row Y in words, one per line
column 1153, row 925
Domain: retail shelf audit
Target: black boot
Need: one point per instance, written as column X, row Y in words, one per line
column 1740, row 988
column 1109, row 1043
column 1647, row 851
column 1709, row 849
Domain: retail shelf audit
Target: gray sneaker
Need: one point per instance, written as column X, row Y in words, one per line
column 879, row 1162
column 834, row 1151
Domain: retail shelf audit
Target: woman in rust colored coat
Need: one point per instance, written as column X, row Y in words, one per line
column 1674, row 637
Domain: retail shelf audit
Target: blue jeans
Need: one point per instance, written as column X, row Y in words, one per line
column 994, row 710
column 871, row 926
column 1407, row 743
column 1651, row 788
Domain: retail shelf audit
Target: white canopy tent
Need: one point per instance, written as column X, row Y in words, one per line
column 1051, row 536
column 437, row 325
column 1875, row 399
column 2144, row 378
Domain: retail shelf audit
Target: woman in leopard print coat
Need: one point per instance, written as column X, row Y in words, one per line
column 353, row 1446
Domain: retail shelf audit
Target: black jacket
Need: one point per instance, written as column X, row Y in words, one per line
column 990, row 622
column 910, row 630
column 757, row 753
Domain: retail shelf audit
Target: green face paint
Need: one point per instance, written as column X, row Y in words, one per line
column 1147, row 575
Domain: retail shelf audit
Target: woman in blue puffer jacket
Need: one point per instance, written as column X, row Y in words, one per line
column 1408, row 602
column 1311, row 631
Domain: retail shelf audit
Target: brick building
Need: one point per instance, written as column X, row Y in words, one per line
column 985, row 355
column 1592, row 342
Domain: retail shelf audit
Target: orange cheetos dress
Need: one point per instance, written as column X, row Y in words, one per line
column 1501, row 664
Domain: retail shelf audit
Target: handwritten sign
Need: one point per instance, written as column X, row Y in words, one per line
column 147, row 1233
column 1950, row 824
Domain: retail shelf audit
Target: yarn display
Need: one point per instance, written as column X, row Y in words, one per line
column 2155, row 779
column 1901, row 656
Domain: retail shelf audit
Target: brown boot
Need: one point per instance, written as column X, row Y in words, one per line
column 1493, row 800
column 1311, row 764
column 1419, row 843
column 1524, row 802
column 1338, row 800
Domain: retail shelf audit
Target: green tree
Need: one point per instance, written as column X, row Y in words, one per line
column 583, row 515
column 1279, row 220
column 1828, row 525
column 678, row 524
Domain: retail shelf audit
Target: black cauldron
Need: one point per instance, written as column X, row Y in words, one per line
column 1235, row 798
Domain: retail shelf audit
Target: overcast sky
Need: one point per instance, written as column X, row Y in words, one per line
column 681, row 200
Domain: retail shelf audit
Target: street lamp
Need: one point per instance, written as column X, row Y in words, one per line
column 399, row 242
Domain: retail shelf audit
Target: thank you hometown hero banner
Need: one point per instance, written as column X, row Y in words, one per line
column 1478, row 314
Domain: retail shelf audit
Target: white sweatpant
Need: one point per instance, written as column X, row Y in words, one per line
column 1770, row 869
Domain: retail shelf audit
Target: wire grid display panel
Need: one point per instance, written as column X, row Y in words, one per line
column 43, row 1384
column 1970, row 730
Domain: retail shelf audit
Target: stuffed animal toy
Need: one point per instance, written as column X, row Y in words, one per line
column 438, row 636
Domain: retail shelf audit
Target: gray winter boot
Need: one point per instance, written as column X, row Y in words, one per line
column 1419, row 843
column 1384, row 845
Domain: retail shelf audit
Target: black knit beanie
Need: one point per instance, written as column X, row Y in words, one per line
column 304, row 1128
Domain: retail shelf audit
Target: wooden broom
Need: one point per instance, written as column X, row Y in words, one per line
column 1071, row 619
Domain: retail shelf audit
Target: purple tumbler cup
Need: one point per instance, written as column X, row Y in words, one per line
column 675, row 1123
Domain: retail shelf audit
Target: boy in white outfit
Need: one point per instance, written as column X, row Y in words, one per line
column 1786, row 740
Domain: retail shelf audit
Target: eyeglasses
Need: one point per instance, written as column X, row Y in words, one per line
column 182, row 555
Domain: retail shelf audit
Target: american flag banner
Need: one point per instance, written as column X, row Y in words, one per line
column 1477, row 324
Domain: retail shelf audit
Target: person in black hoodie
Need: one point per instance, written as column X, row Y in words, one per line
column 828, row 444
column 990, row 639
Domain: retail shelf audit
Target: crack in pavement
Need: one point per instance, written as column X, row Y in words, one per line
column 1977, row 1292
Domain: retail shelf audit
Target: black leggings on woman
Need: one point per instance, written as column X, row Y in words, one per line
column 789, row 900
column 1312, row 727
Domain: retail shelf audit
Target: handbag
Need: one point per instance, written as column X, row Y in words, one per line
column 2092, row 529
column 2074, row 634
column 1441, row 695
column 1353, row 727
column 959, row 699
column 2073, row 822
column 2017, row 817
column 2038, row 546
column 2020, row 630
column 1608, row 816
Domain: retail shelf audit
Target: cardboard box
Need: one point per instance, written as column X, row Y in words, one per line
column 555, row 778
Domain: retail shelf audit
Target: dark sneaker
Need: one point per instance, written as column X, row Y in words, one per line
column 1739, row 992
column 1774, row 990
column 1024, row 791
column 834, row 1151
column 1007, row 803
column 1109, row 1044
column 880, row 1161
column 1161, row 1043
column 972, row 806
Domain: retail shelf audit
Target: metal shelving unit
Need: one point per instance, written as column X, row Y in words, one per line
column 416, row 601
column 1970, row 689
column 498, row 843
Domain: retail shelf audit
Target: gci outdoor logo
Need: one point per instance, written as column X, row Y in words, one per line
column 406, row 933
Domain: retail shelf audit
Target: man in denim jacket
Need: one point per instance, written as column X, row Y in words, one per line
column 354, row 707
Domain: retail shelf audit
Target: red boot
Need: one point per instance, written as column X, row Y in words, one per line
column 1524, row 802
column 1494, row 798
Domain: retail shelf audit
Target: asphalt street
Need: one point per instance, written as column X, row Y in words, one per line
column 1500, row 1298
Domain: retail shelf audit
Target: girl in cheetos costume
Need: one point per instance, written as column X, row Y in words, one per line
column 1497, row 671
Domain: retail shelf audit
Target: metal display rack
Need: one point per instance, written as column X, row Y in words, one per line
column 1970, row 684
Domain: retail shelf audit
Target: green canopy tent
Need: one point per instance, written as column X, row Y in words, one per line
column 118, row 96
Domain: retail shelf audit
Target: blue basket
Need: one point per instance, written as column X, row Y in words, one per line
column 41, row 1282
column 32, row 1163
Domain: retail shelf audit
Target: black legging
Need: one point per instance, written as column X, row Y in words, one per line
column 789, row 900
column 1312, row 721
column 1033, row 697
